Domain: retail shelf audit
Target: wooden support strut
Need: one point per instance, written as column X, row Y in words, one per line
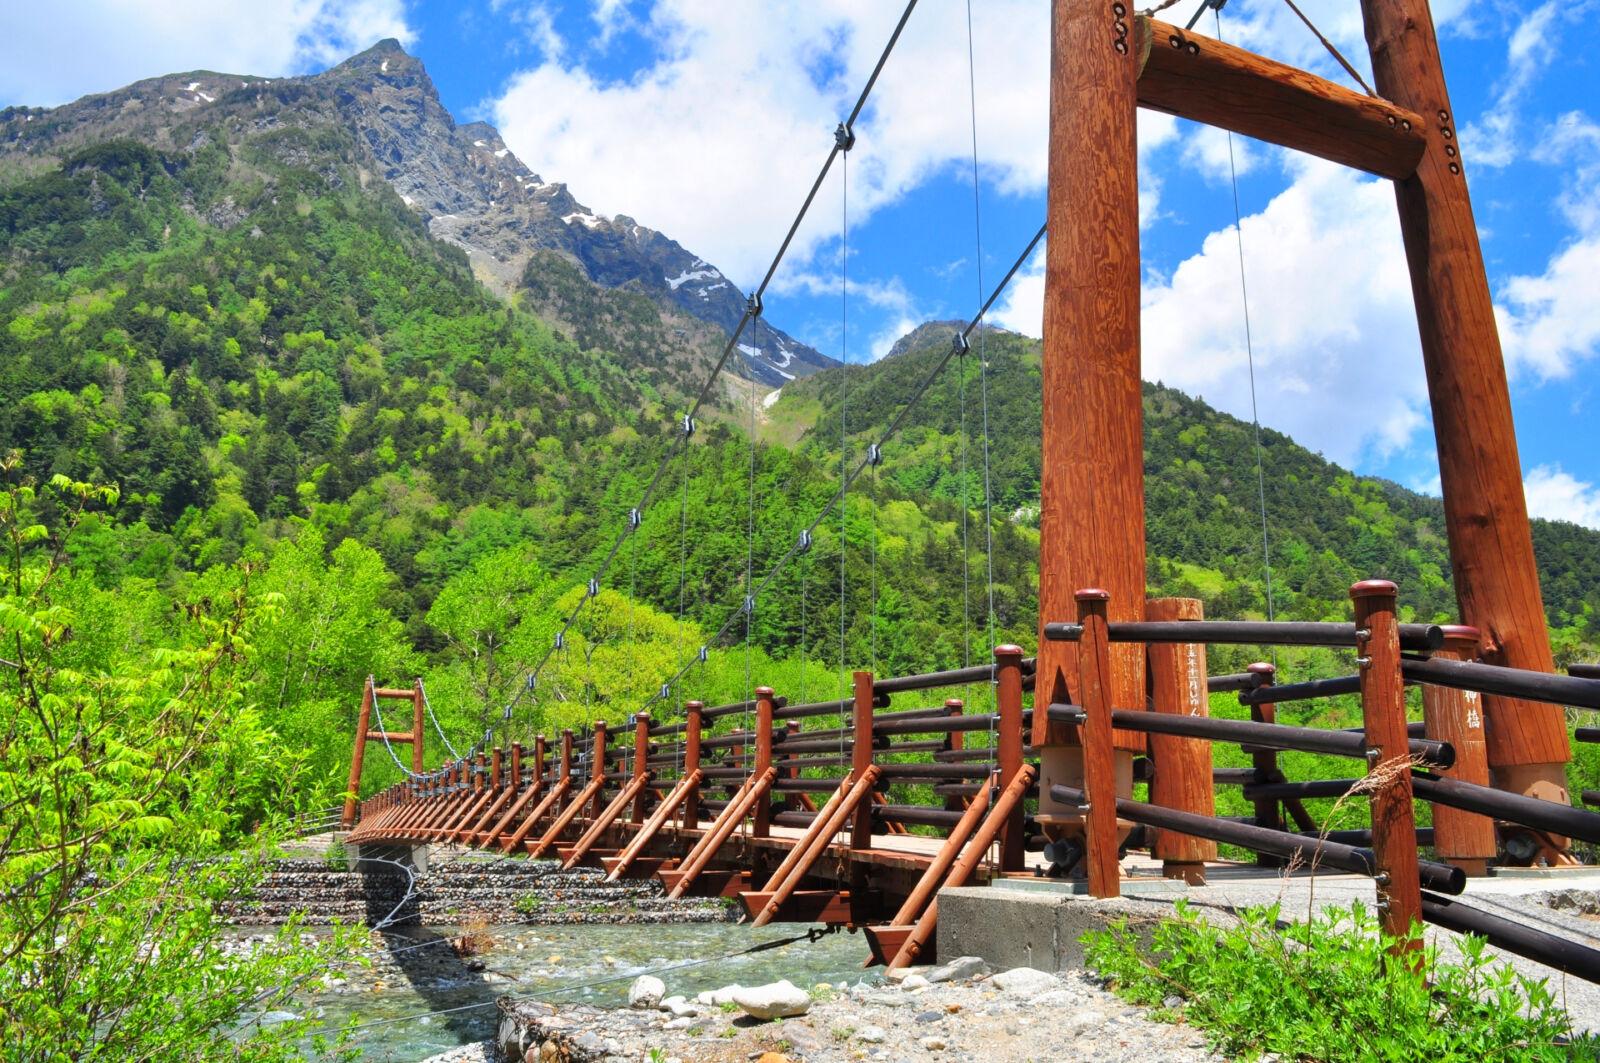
column 1091, row 521
column 1099, row 770
column 1480, row 474
column 363, row 723
column 852, row 804
column 1183, row 765
column 1383, row 714
column 1205, row 80
column 1462, row 838
column 597, row 829
column 971, row 856
column 755, row 789
column 1265, row 761
column 652, row 827
column 1009, row 742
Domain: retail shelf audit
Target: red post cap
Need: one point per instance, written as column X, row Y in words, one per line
column 763, row 692
column 1374, row 588
column 1093, row 594
column 1008, row 650
column 953, row 703
column 1262, row 668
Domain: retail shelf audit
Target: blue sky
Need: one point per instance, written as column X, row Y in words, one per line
column 707, row 119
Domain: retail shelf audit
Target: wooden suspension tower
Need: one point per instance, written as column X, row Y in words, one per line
column 1106, row 62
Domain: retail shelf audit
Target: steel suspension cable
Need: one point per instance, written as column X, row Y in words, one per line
column 799, row 545
column 439, row 730
column 844, row 436
column 1250, row 360
column 842, row 141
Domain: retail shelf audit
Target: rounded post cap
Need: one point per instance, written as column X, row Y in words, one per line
column 1460, row 633
column 1008, row 650
column 641, row 717
column 1374, row 588
column 1092, row 594
column 1262, row 668
column 764, row 692
column 692, row 705
column 953, row 703
column 600, row 725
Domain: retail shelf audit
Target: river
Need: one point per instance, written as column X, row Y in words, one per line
column 402, row 1002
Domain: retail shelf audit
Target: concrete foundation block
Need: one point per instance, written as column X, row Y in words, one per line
column 1026, row 928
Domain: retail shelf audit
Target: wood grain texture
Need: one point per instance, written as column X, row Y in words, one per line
column 761, row 819
column 1183, row 765
column 363, row 725
column 1091, row 520
column 861, row 758
column 641, row 753
column 1480, row 474
column 417, row 705
column 1456, row 716
column 1008, row 752
column 1099, row 758
column 694, row 722
column 1383, row 715
column 1206, row 80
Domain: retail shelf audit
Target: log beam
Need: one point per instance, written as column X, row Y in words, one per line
column 1480, row 473
column 1205, row 80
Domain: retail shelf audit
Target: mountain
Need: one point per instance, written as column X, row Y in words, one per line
column 379, row 112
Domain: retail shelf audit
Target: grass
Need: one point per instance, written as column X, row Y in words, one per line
column 1328, row 991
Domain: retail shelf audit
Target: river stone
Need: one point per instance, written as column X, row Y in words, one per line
column 915, row 981
column 900, row 974
column 959, row 968
column 272, row 1018
column 646, row 991
column 1025, row 981
column 776, row 1001
column 872, row 1035
column 717, row 997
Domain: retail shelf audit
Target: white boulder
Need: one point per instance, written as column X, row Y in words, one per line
column 780, row 1000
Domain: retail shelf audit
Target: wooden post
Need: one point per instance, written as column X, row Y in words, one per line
column 1099, row 763
column 1265, row 762
column 953, row 744
column 363, row 721
column 861, row 757
column 1383, row 713
column 417, row 705
column 641, row 754
column 566, row 753
column 1464, row 839
column 1183, row 765
column 516, row 766
column 1480, row 473
column 791, row 801
column 1091, row 521
column 597, row 750
column 694, row 720
column 1008, row 754
column 761, row 817
column 494, row 770
column 540, row 751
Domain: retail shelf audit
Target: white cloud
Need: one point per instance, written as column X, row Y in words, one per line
column 53, row 53
column 1330, row 311
column 1557, row 495
column 730, row 125
column 1548, row 322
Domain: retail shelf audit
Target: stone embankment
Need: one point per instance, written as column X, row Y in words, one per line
column 960, row 1013
column 460, row 890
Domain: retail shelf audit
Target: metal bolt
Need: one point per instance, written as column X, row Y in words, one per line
column 1374, row 754
column 1363, row 634
column 1363, row 662
column 1455, row 167
column 1381, row 878
column 1121, row 46
column 1405, row 123
column 1118, row 10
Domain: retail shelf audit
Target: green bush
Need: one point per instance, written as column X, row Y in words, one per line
column 1327, row 990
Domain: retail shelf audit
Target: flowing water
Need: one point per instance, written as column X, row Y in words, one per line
column 403, row 999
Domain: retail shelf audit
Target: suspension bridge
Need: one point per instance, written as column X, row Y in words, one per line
column 783, row 805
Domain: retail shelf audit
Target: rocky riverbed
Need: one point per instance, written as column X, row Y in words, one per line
column 956, row 1013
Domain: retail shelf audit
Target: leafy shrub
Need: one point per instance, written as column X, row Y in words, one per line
column 1328, row 990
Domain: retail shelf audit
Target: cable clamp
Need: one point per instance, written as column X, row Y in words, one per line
column 960, row 345
column 844, row 138
column 749, row 603
column 533, row 679
column 665, row 692
column 804, row 544
column 561, row 640
column 635, row 518
column 701, row 656
column 687, row 426
column 874, row 454
column 594, row 588
column 752, row 305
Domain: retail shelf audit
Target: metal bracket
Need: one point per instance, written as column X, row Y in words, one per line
column 844, row 138
column 752, row 304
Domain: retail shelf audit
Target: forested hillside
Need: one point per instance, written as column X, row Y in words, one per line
column 308, row 390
